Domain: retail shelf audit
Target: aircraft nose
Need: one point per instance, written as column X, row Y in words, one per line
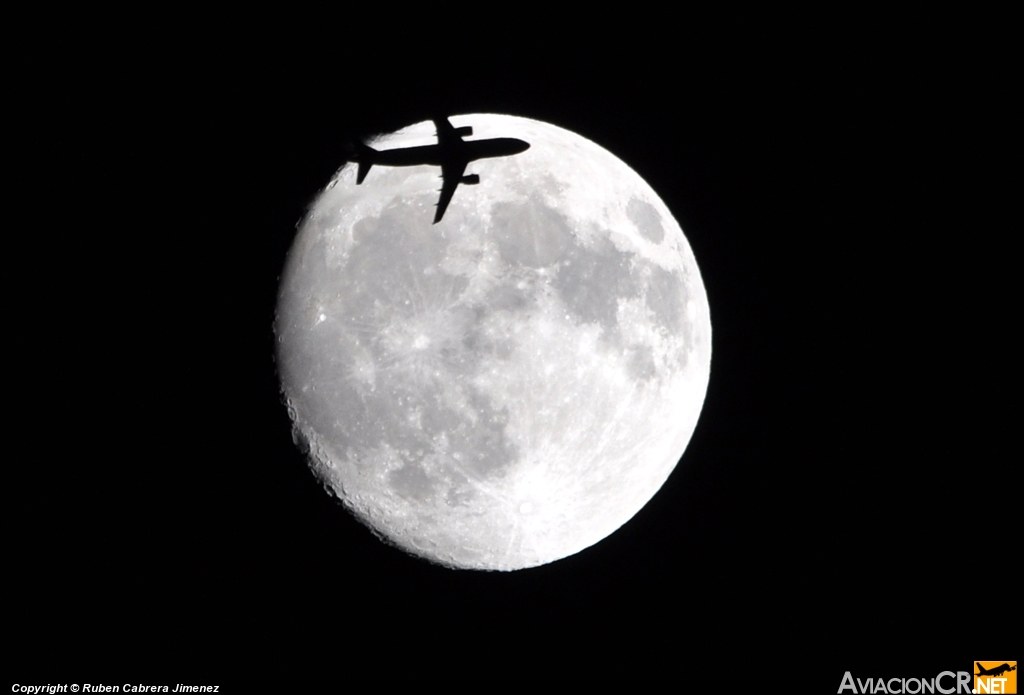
column 522, row 146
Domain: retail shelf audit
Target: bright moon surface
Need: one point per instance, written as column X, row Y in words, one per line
column 511, row 385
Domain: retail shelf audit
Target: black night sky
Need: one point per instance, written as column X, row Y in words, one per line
column 843, row 505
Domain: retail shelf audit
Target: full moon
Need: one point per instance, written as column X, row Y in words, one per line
column 511, row 385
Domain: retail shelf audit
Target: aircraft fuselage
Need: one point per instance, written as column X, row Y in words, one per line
column 459, row 151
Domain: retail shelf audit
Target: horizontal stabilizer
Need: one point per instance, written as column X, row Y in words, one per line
column 364, row 168
column 365, row 156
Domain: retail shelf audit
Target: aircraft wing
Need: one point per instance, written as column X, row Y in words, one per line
column 451, row 174
column 445, row 132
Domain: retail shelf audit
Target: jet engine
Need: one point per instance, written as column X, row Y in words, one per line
column 470, row 179
column 464, row 131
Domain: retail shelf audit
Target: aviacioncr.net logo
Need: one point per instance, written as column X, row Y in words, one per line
column 945, row 683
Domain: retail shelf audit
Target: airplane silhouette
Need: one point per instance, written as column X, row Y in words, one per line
column 451, row 153
column 995, row 670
